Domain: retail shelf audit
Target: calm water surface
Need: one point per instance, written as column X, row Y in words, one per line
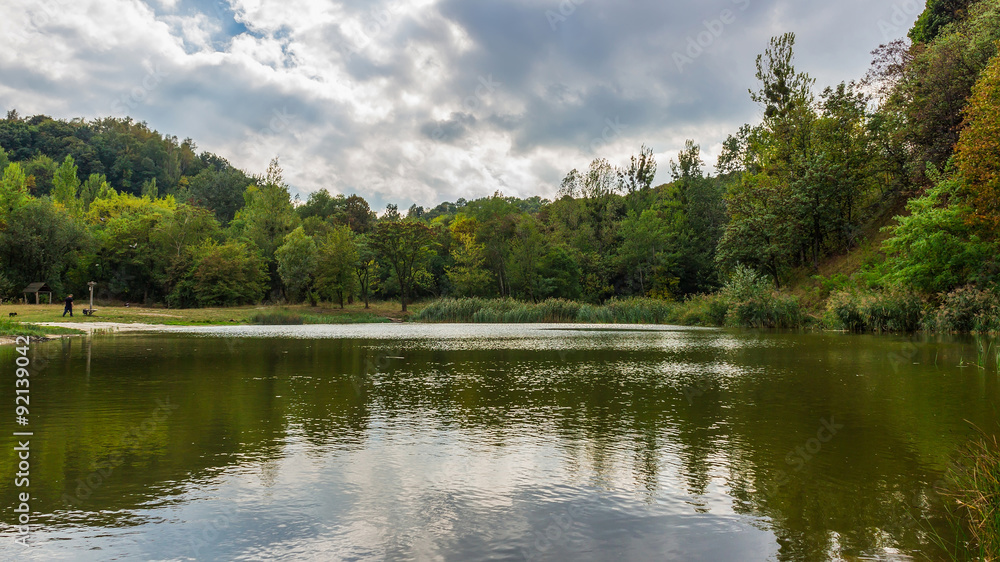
column 459, row 442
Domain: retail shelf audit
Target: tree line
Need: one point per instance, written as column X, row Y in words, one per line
column 152, row 221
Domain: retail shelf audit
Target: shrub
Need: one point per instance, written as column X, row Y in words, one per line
column 277, row 318
column 892, row 312
column 704, row 310
column 766, row 311
column 846, row 312
column 965, row 310
column 745, row 284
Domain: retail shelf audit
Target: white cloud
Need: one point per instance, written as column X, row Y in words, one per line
column 367, row 85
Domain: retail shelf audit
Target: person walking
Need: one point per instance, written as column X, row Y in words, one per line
column 69, row 306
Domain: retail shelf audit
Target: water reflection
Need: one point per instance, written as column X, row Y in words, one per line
column 459, row 442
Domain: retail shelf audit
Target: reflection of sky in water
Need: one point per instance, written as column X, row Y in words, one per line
column 513, row 442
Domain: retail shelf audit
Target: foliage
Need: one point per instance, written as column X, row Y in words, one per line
column 978, row 150
column 936, row 15
column 297, row 261
column 934, row 249
column 878, row 312
column 975, row 487
column 336, row 265
column 406, row 246
column 965, row 310
column 226, row 274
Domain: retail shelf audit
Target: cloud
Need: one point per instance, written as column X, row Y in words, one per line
column 418, row 101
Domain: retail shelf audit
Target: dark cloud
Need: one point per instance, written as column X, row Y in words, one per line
column 405, row 104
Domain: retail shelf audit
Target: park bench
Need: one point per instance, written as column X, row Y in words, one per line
column 89, row 311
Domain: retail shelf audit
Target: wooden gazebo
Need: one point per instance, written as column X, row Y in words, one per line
column 37, row 289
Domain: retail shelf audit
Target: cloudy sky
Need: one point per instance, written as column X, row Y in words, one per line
column 425, row 100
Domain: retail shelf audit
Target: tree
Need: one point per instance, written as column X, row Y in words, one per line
column 783, row 90
column 337, row 259
column 468, row 275
column 978, row 150
column 40, row 171
column 640, row 173
column 358, row 214
column 405, row 245
column 219, row 190
column 649, row 249
column 761, row 228
column 935, row 17
column 267, row 218
column 40, row 242
column 934, row 249
column 96, row 186
column 527, row 252
column 366, row 269
column 175, row 235
column 13, row 190
column 226, row 274
column 66, row 186
column 297, row 261
column 125, row 228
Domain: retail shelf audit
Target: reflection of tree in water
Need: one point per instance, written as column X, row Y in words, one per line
column 615, row 418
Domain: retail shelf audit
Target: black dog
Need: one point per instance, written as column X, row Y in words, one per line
column 11, row 315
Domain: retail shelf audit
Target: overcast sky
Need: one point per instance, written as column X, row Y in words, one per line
column 426, row 100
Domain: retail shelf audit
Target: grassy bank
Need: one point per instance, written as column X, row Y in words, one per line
column 329, row 314
column 975, row 502
column 712, row 310
column 14, row 328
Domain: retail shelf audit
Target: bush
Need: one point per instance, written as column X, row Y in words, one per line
column 766, row 311
column 892, row 312
column 878, row 312
column 846, row 312
column 966, row 310
column 704, row 310
column 510, row 311
column 746, row 284
column 277, row 318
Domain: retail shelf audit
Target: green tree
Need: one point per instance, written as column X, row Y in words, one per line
column 527, row 252
column 468, row 275
column 223, row 274
column 936, row 15
column 337, row 263
column 934, row 249
column 40, row 171
column 761, row 228
column 13, row 190
column 366, row 269
column 405, row 245
column 267, row 218
column 40, row 242
column 649, row 250
column 297, row 260
column 66, row 186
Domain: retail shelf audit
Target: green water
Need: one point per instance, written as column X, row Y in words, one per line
column 427, row 442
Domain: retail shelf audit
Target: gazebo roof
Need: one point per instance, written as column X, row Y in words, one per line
column 37, row 288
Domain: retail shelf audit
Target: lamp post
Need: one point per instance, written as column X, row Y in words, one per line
column 91, row 285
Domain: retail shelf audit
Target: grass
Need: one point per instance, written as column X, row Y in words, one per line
column 510, row 311
column 328, row 314
column 14, row 328
column 286, row 317
column 975, row 513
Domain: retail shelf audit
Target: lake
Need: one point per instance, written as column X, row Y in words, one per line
column 488, row 442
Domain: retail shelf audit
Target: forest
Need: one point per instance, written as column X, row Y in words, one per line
column 865, row 205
